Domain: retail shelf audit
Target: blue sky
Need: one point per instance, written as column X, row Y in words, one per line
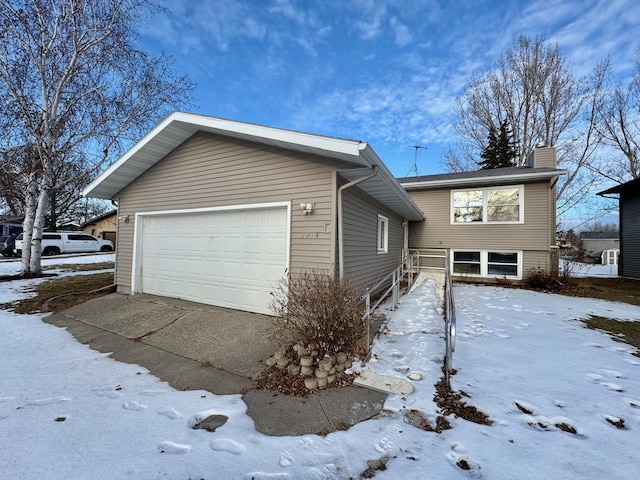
column 384, row 72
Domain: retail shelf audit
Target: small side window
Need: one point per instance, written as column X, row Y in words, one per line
column 383, row 234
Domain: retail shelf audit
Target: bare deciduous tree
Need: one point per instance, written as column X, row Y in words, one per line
column 533, row 89
column 618, row 115
column 74, row 86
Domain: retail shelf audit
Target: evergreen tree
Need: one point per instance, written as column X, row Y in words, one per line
column 501, row 150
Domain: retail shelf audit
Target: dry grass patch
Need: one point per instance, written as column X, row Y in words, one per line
column 627, row 332
column 81, row 267
column 61, row 293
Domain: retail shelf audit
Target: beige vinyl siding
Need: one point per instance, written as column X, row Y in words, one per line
column 362, row 262
column 533, row 237
column 214, row 171
column 437, row 231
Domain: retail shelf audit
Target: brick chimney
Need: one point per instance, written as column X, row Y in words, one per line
column 542, row 157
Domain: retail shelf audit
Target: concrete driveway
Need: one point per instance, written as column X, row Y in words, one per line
column 200, row 347
column 235, row 343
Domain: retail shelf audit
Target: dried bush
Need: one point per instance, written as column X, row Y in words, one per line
column 318, row 311
column 539, row 279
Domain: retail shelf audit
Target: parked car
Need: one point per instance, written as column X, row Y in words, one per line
column 55, row 243
column 7, row 244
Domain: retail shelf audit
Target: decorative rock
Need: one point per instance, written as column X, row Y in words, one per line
column 311, row 383
column 293, row 369
column 278, row 355
column 321, row 373
column 306, row 371
column 331, row 379
column 322, row 382
column 341, row 357
column 282, row 363
column 306, row 361
column 325, row 364
column 348, row 363
column 332, row 371
column 314, row 353
column 271, row 361
column 440, row 310
column 211, row 423
column 340, row 367
column 415, row 376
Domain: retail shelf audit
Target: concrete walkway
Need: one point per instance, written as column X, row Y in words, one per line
column 200, row 347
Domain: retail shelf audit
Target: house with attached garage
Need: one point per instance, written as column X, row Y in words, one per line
column 495, row 223
column 217, row 211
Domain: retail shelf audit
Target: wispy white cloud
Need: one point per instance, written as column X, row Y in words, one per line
column 403, row 35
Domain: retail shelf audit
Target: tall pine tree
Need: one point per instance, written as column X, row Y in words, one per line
column 501, row 150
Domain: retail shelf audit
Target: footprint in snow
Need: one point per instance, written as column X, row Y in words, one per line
column 108, row 391
column 633, row 403
column 524, row 407
column 48, row 401
column 173, row 448
column 152, row 393
column 226, row 445
column 614, row 387
column 614, row 374
column 286, row 459
column 168, row 412
column 465, row 463
column 266, row 476
column 327, row 472
column 384, row 445
column 133, row 406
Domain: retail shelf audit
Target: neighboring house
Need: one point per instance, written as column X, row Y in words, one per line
column 497, row 223
column 216, row 211
column 594, row 243
column 69, row 227
column 103, row 226
column 629, row 198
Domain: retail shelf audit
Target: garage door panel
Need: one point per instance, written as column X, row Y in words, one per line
column 231, row 258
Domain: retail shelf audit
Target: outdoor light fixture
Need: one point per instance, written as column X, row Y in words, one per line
column 123, row 218
column 307, row 208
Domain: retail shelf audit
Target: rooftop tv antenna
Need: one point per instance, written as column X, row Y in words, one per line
column 414, row 169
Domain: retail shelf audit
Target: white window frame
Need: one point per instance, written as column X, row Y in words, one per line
column 383, row 234
column 484, row 263
column 485, row 209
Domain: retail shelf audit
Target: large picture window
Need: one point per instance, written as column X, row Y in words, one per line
column 487, row 205
column 485, row 263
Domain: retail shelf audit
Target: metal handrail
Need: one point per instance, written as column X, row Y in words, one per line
column 407, row 267
column 449, row 321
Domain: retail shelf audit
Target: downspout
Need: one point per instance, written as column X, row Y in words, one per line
column 340, row 231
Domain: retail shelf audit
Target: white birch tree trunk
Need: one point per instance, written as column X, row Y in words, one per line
column 35, row 266
column 27, row 225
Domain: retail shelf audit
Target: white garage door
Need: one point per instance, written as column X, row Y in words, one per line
column 230, row 258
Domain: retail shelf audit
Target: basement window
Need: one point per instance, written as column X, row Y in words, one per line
column 485, row 263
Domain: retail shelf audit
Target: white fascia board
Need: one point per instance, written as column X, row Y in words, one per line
column 338, row 145
column 483, row 180
column 128, row 154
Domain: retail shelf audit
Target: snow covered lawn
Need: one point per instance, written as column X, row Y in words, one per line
column 69, row 412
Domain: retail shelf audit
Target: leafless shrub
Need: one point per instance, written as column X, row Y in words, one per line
column 319, row 311
column 539, row 279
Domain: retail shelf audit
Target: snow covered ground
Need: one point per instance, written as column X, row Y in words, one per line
column 69, row 412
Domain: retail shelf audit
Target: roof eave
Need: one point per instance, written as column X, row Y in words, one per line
column 482, row 180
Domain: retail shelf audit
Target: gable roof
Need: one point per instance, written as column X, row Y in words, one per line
column 486, row 177
column 179, row 126
column 99, row 217
column 630, row 186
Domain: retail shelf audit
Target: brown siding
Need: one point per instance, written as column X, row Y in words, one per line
column 362, row 262
column 210, row 171
column 533, row 236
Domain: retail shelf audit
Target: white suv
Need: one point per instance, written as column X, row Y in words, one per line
column 54, row 243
